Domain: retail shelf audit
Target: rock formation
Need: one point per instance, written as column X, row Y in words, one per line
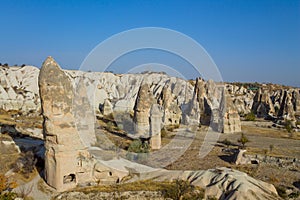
column 221, row 183
column 172, row 112
column 296, row 102
column 191, row 116
column 67, row 162
column 156, row 114
column 229, row 119
column 142, row 108
column 262, row 105
column 19, row 89
column 107, row 107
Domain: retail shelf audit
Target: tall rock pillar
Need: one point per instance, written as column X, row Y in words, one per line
column 64, row 150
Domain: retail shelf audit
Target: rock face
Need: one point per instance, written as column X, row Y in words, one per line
column 67, row 162
column 142, row 108
column 19, row 89
column 262, row 105
column 240, row 158
column 172, row 112
column 296, row 102
column 221, row 183
column 287, row 108
column 229, row 120
column 156, row 114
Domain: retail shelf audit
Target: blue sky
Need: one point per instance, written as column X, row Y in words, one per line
column 248, row 40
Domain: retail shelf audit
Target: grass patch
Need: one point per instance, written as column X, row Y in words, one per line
column 178, row 189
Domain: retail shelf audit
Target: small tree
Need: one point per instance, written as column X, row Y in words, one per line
column 243, row 140
column 250, row 116
column 137, row 146
column 179, row 189
column 271, row 147
column 288, row 126
column 226, row 142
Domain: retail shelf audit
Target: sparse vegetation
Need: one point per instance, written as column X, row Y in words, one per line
column 281, row 191
column 137, row 146
column 288, row 126
column 243, row 140
column 271, row 147
column 182, row 189
column 163, row 133
column 226, row 142
column 6, row 186
column 250, row 117
column 25, row 164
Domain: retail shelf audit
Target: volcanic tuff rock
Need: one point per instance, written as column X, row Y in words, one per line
column 69, row 132
column 172, row 112
column 19, row 89
column 221, row 183
column 118, row 93
column 142, row 108
column 263, row 105
column 229, row 119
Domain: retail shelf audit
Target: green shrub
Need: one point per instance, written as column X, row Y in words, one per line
column 281, row 191
column 183, row 190
column 227, row 142
column 163, row 133
column 288, row 126
column 294, row 195
column 137, row 146
column 243, row 140
column 271, row 147
column 250, row 117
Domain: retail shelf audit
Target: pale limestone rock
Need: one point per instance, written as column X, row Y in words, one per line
column 156, row 114
column 240, row 158
column 263, row 105
column 63, row 147
column 229, row 119
column 107, row 107
column 100, row 96
column 296, row 102
column 218, row 183
column 287, row 109
column 191, row 115
column 172, row 112
column 142, row 108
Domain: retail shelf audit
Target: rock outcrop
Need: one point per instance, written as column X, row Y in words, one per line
column 263, row 105
column 142, row 108
column 221, row 183
column 156, row 114
column 229, row 119
column 19, row 89
column 172, row 112
column 67, row 162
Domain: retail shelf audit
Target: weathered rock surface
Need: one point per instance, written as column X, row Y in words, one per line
column 262, row 105
column 142, row 108
column 182, row 101
column 62, row 142
column 172, row 111
column 19, row 89
column 156, row 114
column 229, row 119
column 221, row 183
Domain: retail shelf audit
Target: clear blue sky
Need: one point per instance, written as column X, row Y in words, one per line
column 248, row 40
